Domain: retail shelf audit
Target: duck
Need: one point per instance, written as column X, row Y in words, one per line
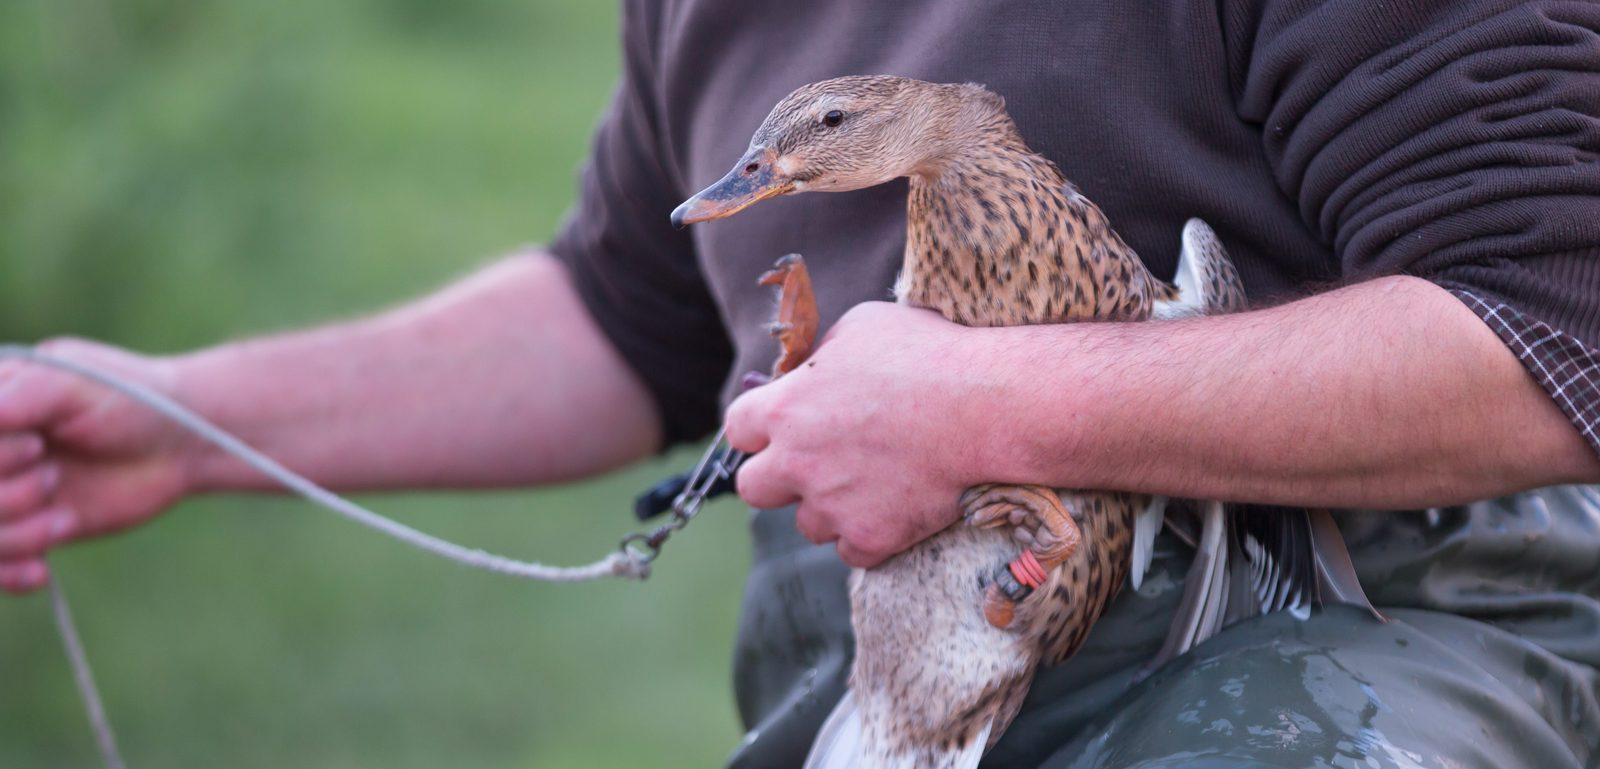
column 950, row 632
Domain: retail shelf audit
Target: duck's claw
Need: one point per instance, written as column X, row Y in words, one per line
column 999, row 609
column 796, row 326
column 1041, row 521
column 1041, row 524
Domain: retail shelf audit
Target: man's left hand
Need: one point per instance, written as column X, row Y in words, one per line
column 876, row 436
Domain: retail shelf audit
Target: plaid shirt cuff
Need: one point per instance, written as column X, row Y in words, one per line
column 1568, row 369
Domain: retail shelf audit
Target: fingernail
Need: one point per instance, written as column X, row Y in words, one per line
column 51, row 478
column 62, row 526
column 35, row 574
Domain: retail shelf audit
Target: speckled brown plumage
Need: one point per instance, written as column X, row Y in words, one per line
column 996, row 236
column 999, row 237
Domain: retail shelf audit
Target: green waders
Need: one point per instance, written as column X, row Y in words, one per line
column 1488, row 660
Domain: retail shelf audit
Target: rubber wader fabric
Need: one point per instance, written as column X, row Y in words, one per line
column 1488, row 661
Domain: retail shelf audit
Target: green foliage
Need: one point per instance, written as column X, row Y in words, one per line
column 175, row 172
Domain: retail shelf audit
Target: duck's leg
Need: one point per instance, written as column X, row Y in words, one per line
column 1040, row 522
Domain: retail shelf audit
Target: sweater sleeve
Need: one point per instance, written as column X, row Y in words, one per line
column 637, row 276
column 1458, row 142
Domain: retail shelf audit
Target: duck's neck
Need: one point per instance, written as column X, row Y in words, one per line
column 983, row 242
column 985, row 167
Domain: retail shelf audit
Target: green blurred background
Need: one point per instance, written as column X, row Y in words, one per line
column 176, row 172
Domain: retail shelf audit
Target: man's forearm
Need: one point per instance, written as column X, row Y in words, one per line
column 1387, row 394
column 501, row 379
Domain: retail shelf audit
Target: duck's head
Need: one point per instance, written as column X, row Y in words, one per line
column 846, row 134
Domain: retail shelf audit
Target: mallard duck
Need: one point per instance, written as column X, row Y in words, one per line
column 949, row 633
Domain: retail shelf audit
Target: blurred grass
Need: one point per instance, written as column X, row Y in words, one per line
column 176, row 172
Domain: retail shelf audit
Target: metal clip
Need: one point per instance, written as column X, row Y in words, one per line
column 712, row 475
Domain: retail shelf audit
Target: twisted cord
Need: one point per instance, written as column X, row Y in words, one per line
column 83, row 676
column 616, row 564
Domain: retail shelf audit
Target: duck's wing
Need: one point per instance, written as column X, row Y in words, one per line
column 1256, row 561
column 1296, row 557
column 1246, row 562
column 1278, row 569
column 1207, row 591
column 1146, row 526
column 1207, row 284
column 1336, row 579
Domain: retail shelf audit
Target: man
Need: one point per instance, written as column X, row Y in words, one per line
column 1434, row 161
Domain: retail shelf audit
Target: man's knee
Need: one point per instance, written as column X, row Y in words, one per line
column 1336, row 690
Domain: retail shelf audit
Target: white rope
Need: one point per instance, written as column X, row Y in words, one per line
column 616, row 564
column 84, row 676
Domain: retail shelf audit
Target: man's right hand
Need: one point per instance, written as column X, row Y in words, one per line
column 78, row 460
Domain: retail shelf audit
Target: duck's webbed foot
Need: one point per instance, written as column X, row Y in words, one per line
column 1040, row 523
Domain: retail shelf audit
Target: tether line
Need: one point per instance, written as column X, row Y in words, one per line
column 83, row 676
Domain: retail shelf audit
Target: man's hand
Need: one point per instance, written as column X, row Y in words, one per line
column 868, row 435
column 77, row 460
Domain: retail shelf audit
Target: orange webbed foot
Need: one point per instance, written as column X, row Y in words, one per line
column 1040, row 523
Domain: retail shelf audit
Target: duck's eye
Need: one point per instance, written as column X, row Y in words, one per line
column 833, row 118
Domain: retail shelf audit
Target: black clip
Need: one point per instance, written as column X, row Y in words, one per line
column 659, row 498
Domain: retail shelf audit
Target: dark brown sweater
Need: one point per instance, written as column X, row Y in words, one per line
column 1326, row 142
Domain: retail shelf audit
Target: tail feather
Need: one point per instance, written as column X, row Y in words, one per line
column 969, row 756
column 843, row 743
column 839, row 744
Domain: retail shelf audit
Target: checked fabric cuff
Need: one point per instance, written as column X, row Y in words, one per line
column 1568, row 369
